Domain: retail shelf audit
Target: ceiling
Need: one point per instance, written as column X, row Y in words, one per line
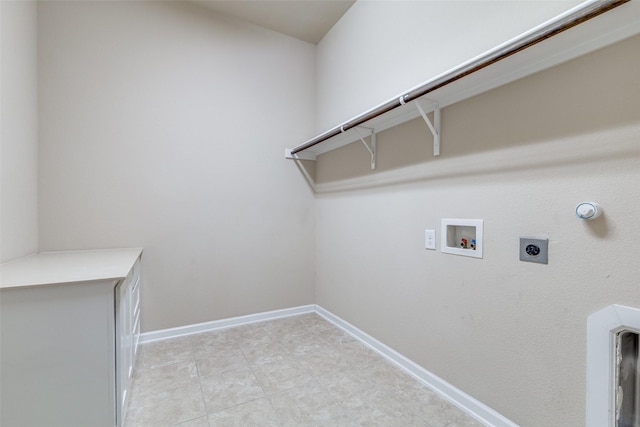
column 307, row 20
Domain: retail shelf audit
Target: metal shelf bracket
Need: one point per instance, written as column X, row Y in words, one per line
column 371, row 147
column 433, row 127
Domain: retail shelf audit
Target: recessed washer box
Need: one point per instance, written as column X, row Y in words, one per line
column 462, row 237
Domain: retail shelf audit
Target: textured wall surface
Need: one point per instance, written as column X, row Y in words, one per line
column 380, row 49
column 19, row 130
column 163, row 126
column 509, row 333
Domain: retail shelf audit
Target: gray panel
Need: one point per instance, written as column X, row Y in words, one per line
column 534, row 250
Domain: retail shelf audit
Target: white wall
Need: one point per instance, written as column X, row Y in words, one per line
column 19, row 130
column 380, row 49
column 509, row 333
column 163, row 126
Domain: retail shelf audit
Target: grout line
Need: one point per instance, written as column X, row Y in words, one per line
column 464, row 402
column 204, row 402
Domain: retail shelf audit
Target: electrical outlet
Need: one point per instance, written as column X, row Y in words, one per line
column 430, row 239
column 534, row 250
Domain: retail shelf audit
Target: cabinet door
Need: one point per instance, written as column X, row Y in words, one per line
column 123, row 346
column 57, row 355
column 128, row 329
column 134, row 311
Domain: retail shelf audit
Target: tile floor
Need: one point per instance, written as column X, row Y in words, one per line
column 291, row 372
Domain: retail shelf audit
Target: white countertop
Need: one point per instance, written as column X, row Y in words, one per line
column 47, row 268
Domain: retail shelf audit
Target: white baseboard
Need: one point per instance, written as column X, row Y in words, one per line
column 224, row 323
column 473, row 407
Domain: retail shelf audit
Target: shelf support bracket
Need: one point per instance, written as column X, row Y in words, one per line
column 371, row 148
column 298, row 156
column 433, row 127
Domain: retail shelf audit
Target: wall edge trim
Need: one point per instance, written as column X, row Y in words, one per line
column 181, row 331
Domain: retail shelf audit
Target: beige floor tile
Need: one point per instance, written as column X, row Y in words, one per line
column 465, row 420
column 167, row 408
column 309, row 405
column 364, row 399
column 297, row 371
column 323, row 363
column 344, row 382
column 165, row 352
column 326, row 416
column 253, row 333
column 198, row 422
column 258, row 413
column 259, row 355
column 309, row 396
column 439, row 412
column 203, row 352
column 230, row 389
column 217, row 363
column 320, row 326
column 290, row 326
column 385, row 374
column 163, row 378
column 281, row 375
column 302, row 343
column 335, row 336
column 212, row 341
column 376, row 406
column 314, row 323
column 356, row 353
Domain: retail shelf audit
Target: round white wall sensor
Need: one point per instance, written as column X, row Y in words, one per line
column 588, row 210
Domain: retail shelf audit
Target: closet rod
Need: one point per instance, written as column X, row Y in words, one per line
column 564, row 22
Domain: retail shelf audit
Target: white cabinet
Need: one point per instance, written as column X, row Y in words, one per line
column 128, row 331
column 69, row 325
